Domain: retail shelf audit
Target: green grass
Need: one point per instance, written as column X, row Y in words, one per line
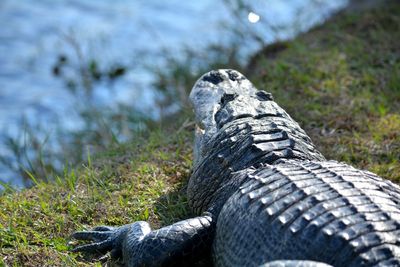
column 340, row 81
column 139, row 181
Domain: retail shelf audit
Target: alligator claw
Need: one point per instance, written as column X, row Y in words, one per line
column 94, row 235
column 102, row 247
column 101, row 239
column 103, row 228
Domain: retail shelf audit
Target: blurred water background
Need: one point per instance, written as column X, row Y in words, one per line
column 57, row 58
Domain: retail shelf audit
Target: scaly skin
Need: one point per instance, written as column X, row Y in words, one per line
column 264, row 194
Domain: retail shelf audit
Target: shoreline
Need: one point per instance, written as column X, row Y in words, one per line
column 339, row 81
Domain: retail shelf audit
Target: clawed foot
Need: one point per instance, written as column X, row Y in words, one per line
column 103, row 239
column 137, row 245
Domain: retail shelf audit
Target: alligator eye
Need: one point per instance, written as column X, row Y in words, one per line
column 264, row 96
column 227, row 98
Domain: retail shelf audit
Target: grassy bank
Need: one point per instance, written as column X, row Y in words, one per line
column 340, row 81
column 138, row 181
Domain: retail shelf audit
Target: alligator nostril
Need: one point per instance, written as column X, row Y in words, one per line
column 233, row 76
column 214, row 77
column 227, row 98
column 264, row 96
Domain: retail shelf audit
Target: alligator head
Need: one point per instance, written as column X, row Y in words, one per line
column 210, row 97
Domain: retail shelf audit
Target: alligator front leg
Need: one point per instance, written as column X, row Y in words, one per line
column 138, row 245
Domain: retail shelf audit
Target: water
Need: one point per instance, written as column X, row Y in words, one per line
column 132, row 33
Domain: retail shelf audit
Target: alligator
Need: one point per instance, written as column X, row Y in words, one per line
column 263, row 195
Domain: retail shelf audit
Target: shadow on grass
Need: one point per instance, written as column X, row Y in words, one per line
column 173, row 207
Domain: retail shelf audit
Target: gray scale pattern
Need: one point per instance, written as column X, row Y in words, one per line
column 293, row 209
column 264, row 194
